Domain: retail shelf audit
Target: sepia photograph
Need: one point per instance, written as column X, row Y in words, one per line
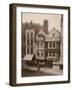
column 41, row 44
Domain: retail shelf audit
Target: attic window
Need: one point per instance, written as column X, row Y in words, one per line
column 53, row 34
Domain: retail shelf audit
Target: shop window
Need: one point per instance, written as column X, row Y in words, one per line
column 61, row 67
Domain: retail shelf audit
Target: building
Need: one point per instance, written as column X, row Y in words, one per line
column 59, row 64
column 30, row 42
column 52, row 47
column 40, row 46
column 43, row 44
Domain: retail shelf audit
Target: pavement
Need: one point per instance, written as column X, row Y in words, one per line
column 52, row 71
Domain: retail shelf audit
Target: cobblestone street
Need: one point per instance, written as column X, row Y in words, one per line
column 33, row 71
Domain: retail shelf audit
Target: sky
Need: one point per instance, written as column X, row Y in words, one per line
column 53, row 19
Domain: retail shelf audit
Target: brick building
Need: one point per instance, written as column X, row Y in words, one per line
column 42, row 44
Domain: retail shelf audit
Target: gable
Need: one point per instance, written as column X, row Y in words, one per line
column 54, row 33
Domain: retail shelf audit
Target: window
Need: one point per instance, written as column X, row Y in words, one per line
column 27, row 50
column 31, row 50
column 41, row 43
column 53, row 34
column 38, row 53
column 58, row 44
column 61, row 67
column 53, row 53
column 38, row 43
column 50, row 53
column 31, row 42
column 47, row 45
column 50, row 44
column 27, row 41
column 27, row 35
column 53, row 44
column 57, row 54
column 41, row 54
column 31, row 34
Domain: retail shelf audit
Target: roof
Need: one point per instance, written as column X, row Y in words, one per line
column 30, row 26
column 54, row 34
column 54, row 30
column 41, row 32
column 28, row 57
column 51, row 38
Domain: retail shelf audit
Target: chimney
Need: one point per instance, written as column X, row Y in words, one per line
column 45, row 26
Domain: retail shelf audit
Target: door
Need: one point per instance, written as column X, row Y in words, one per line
column 50, row 64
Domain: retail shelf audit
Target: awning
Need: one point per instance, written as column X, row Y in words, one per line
column 28, row 57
